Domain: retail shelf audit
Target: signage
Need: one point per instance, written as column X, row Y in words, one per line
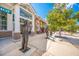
column 5, row 10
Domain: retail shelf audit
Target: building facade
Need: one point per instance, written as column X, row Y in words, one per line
column 39, row 24
column 12, row 15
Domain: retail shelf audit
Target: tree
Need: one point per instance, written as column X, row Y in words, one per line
column 76, row 16
column 61, row 19
column 56, row 20
column 72, row 27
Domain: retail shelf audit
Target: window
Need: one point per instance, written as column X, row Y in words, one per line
column 25, row 14
column 3, row 21
column 13, row 22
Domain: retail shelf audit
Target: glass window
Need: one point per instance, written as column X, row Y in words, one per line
column 13, row 22
column 3, row 21
column 23, row 13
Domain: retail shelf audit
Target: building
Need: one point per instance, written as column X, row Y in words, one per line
column 39, row 24
column 12, row 15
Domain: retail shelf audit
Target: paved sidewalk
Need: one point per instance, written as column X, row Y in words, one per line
column 61, row 48
column 9, row 47
column 40, row 46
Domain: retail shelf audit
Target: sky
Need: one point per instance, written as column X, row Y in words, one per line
column 42, row 9
column 76, row 7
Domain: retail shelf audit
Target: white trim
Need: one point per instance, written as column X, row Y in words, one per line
column 28, row 12
column 25, row 18
column 25, row 10
column 33, row 10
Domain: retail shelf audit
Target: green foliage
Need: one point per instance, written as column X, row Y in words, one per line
column 77, row 15
column 62, row 19
column 71, row 26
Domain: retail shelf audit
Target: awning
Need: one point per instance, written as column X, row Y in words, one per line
column 5, row 10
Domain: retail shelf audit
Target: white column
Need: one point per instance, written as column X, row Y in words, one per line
column 17, row 18
column 9, row 22
column 33, row 23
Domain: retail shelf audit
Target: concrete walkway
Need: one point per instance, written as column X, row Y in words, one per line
column 61, row 48
column 9, row 47
column 40, row 46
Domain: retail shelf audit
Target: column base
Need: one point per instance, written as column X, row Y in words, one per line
column 5, row 33
column 17, row 36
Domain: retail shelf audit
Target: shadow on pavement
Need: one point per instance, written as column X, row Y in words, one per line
column 74, row 41
column 4, row 42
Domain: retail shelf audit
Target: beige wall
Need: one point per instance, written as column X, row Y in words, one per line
column 17, row 18
column 9, row 22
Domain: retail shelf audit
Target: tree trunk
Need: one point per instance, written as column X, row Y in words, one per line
column 60, row 32
column 71, row 33
column 50, row 33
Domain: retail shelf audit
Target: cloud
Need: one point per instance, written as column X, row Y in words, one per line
column 70, row 5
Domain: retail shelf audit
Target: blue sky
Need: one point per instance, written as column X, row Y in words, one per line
column 42, row 9
column 76, row 7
